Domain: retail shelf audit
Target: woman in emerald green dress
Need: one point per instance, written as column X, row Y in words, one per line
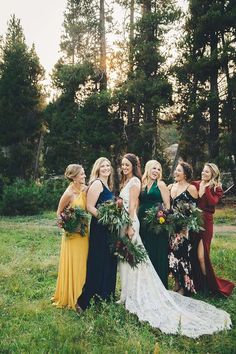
column 154, row 192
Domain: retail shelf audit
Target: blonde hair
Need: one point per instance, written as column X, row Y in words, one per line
column 215, row 175
column 72, row 171
column 149, row 165
column 95, row 172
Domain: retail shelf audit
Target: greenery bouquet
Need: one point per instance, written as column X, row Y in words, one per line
column 74, row 220
column 157, row 219
column 187, row 216
column 115, row 217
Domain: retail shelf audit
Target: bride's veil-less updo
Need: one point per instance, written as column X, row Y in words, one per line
column 136, row 168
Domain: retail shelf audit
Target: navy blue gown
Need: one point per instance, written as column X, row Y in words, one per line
column 101, row 264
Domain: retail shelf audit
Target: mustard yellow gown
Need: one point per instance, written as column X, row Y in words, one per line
column 72, row 265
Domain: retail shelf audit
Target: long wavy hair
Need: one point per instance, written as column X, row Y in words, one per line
column 148, row 167
column 136, row 168
column 95, row 172
column 215, row 174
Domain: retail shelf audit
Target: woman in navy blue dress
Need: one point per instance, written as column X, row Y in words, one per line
column 101, row 265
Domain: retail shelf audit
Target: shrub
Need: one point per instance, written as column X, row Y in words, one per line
column 21, row 198
column 51, row 191
column 29, row 197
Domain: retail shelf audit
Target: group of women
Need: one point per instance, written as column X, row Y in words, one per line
column 87, row 269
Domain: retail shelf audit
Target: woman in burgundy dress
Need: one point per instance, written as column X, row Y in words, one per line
column 210, row 192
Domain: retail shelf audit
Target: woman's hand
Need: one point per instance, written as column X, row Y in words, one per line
column 207, row 184
column 130, row 232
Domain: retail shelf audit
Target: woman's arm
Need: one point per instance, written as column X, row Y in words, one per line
column 193, row 191
column 133, row 204
column 213, row 196
column 133, row 200
column 92, row 196
column 64, row 202
column 165, row 194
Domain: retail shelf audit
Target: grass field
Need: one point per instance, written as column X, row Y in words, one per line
column 29, row 252
column 225, row 216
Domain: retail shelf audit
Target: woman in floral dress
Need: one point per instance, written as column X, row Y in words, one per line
column 180, row 245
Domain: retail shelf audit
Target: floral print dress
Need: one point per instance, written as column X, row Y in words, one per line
column 179, row 254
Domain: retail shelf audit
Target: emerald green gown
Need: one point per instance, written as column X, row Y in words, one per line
column 155, row 244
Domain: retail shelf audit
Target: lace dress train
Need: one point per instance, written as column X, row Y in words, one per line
column 143, row 294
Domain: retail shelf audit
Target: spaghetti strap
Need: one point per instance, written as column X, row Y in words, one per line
column 104, row 186
column 98, row 179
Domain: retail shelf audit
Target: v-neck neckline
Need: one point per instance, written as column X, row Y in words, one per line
column 148, row 190
column 184, row 191
column 199, row 191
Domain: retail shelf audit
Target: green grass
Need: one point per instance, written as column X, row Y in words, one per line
column 225, row 216
column 29, row 252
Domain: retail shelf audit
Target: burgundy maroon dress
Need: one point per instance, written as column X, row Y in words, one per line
column 207, row 203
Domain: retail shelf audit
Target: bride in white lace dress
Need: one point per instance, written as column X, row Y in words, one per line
column 142, row 291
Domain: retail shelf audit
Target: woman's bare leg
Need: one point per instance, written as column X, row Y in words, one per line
column 201, row 257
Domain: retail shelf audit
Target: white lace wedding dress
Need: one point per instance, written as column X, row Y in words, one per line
column 143, row 294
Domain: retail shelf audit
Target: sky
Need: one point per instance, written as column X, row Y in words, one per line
column 41, row 21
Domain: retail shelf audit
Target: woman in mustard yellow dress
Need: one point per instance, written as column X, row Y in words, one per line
column 74, row 247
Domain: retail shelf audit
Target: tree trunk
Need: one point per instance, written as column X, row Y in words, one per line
column 39, row 151
column 214, row 102
column 131, row 58
column 103, row 81
column 131, row 37
column 231, row 118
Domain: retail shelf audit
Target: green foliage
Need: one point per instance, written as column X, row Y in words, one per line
column 157, row 221
column 68, row 78
column 100, row 130
column 205, row 75
column 20, row 102
column 61, row 144
column 74, row 219
column 147, row 89
column 25, row 197
column 51, row 191
column 183, row 216
column 21, row 198
column 80, row 39
column 116, row 218
column 225, row 216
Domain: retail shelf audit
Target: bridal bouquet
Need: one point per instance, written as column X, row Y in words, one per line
column 158, row 219
column 116, row 218
column 74, row 220
column 113, row 214
column 186, row 215
column 127, row 251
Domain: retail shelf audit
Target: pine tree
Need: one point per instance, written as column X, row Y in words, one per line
column 85, row 103
column 147, row 89
column 208, row 97
column 21, row 102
